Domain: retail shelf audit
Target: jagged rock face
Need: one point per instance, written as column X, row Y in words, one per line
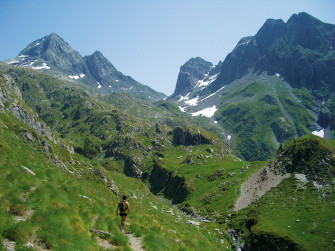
column 183, row 136
column 109, row 78
column 190, row 73
column 173, row 186
column 55, row 57
column 301, row 50
column 10, row 96
column 54, row 50
column 11, row 100
column 99, row 65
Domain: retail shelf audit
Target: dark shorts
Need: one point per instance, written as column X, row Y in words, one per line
column 123, row 214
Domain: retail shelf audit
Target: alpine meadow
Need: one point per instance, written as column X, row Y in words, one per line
column 241, row 156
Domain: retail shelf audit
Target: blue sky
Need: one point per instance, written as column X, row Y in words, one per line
column 147, row 39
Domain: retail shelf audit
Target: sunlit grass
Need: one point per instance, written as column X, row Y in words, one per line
column 61, row 217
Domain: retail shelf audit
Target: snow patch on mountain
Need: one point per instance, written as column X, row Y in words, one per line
column 29, row 64
column 182, row 98
column 244, row 43
column 13, row 62
column 76, row 76
column 207, row 112
column 206, row 81
column 182, row 109
column 213, row 93
column 43, row 66
column 193, row 102
column 320, row 133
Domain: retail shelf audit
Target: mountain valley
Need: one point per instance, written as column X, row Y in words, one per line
column 227, row 162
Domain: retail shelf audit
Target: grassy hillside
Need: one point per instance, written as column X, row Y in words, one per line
column 263, row 114
column 53, row 205
column 297, row 214
column 210, row 179
column 51, row 197
column 99, row 129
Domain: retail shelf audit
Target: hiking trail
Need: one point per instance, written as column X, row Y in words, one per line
column 135, row 242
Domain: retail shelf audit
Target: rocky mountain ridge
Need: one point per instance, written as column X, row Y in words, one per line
column 284, row 71
column 52, row 55
column 300, row 50
column 195, row 74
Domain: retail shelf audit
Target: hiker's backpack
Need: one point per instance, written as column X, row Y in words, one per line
column 123, row 206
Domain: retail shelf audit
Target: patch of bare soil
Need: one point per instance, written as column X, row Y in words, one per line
column 25, row 216
column 106, row 245
column 257, row 185
column 9, row 245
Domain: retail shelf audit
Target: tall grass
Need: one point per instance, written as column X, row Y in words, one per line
column 64, row 207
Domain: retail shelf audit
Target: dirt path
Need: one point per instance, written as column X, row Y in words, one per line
column 135, row 242
column 106, row 245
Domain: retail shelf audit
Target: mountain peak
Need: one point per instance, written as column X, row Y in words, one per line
column 57, row 58
column 52, row 50
column 53, row 35
column 98, row 61
column 42, row 45
column 269, row 32
column 191, row 72
column 198, row 61
column 97, row 55
column 302, row 18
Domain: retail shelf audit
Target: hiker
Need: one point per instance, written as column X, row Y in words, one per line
column 123, row 208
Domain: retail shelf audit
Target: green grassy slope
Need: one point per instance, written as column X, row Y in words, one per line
column 261, row 115
column 191, row 167
column 298, row 214
column 123, row 128
column 55, row 208
column 211, row 176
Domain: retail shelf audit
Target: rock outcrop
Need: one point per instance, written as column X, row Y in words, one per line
column 173, row 186
column 10, row 100
column 186, row 137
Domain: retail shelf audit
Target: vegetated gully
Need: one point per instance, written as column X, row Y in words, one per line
column 231, row 232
